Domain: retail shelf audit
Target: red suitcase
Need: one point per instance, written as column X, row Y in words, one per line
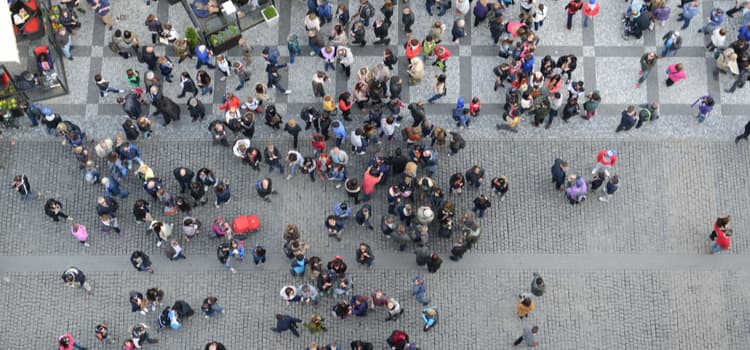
column 245, row 224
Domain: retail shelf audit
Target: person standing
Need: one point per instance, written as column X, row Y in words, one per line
column 286, row 322
column 559, row 169
column 675, row 73
column 481, row 204
column 141, row 261
column 628, row 119
column 64, row 41
column 73, row 277
column 605, row 160
column 525, row 305
column 80, row 233
column 528, row 337
column 648, row 61
column 364, row 255
column 705, row 105
column 722, row 242
column 609, row 190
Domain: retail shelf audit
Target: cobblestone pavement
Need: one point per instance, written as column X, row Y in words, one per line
column 630, row 274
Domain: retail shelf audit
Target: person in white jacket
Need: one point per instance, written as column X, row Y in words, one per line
column 345, row 57
column 356, row 137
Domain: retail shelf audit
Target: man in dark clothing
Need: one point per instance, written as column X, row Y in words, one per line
column 106, row 206
column 744, row 134
column 456, row 143
column 558, row 173
column 475, row 176
column 397, row 162
column 167, row 108
column 149, row 57
column 131, row 105
column 184, row 177
column 361, row 345
column 381, row 32
column 286, row 322
column 417, row 112
column 628, row 120
column 272, row 156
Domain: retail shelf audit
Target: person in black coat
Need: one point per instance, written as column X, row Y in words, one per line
column 456, row 143
column 53, row 209
column 286, row 322
column 167, row 108
column 381, row 32
column 184, row 177
column 148, row 56
column 744, row 135
column 433, row 264
column 417, row 113
column 364, row 255
column 407, row 18
column 131, row 105
column 130, row 129
column 187, row 84
column 628, row 119
column 361, row 345
column 558, row 173
column 141, row 261
column 196, row 109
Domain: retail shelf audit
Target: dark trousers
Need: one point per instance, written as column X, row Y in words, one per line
column 742, row 137
column 569, row 23
column 518, row 341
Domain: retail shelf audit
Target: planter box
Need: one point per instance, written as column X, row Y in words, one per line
column 270, row 14
column 225, row 45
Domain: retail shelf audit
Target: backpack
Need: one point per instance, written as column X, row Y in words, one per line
column 368, row 11
column 645, row 114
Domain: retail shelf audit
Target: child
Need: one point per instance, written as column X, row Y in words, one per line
column 474, row 106
column 612, row 186
column 80, row 233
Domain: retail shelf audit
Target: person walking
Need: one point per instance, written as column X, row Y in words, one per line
column 609, row 190
column 141, row 261
column 605, row 160
column 628, row 119
column 23, row 187
column 103, row 11
column 429, row 318
column 571, row 9
column 559, row 169
column 210, row 307
column 67, row 342
column 418, row 289
column 648, row 61
column 705, row 105
column 675, row 73
column 590, row 11
column 75, row 278
column 525, row 305
column 744, row 134
column 528, row 337
column 689, row 11
column 80, row 233
column 672, row 43
column 286, row 322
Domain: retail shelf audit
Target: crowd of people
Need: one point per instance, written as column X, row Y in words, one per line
column 419, row 201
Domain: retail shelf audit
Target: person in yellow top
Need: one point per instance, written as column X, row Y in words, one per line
column 525, row 305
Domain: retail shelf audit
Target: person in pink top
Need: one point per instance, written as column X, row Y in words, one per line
column 605, row 160
column 67, row 342
column 80, row 233
column 371, row 178
column 675, row 73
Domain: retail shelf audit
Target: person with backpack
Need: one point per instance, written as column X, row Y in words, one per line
column 648, row 112
column 292, row 43
column 442, row 54
column 365, row 12
column 73, row 277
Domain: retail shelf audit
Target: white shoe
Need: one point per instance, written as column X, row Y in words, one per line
column 233, row 270
column 122, row 91
column 289, row 177
column 287, row 92
column 86, row 244
column 158, row 244
column 223, row 78
column 143, row 313
column 338, row 186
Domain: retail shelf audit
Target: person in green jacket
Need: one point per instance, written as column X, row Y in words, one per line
column 592, row 103
column 315, row 325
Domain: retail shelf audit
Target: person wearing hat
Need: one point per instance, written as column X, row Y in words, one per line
column 590, row 11
column 51, row 120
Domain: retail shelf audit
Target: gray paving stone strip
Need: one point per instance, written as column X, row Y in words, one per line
column 392, row 261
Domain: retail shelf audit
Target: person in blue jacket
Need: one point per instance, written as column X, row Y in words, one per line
column 286, row 322
column 203, row 56
column 112, row 188
column 430, row 318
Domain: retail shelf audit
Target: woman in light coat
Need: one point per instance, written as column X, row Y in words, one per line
column 726, row 63
column 416, row 71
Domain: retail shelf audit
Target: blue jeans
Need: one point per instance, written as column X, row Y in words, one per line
column 644, row 75
column 216, row 309
column 276, row 164
column 293, row 169
column 292, row 56
column 199, row 64
column 479, row 212
column 29, row 196
column 422, row 298
column 586, row 21
column 327, row 64
column 206, row 90
column 667, row 51
column 108, row 89
column 715, row 248
column 434, row 98
column 66, row 49
column 75, row 345
column 538, row 25
column 685, row 22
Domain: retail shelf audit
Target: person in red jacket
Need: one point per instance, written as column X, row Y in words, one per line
column 572, row 8
column 231, row 101
column 442, row 55
column 413, row 49
column 318, row 143
column 590, row 11
column 605, row 160
column 371, row 178
column 722, row 242
column 474, row 106
column 346, row 101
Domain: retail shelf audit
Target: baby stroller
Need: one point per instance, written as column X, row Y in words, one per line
column 45, row 61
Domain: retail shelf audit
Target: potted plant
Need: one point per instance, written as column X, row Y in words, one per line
column 270, row 14
column 192, row 38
